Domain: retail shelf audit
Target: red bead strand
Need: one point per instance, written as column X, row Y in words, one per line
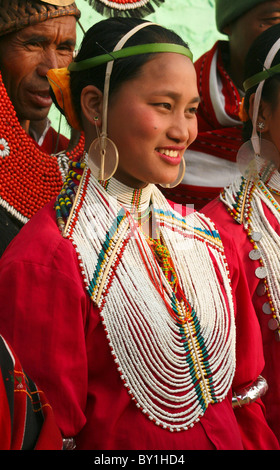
column 29, row 177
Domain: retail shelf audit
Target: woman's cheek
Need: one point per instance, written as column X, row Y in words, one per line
column 193, row 131
column 150, row 124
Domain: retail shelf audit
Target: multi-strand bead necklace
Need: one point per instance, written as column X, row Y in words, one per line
column 174, row 349
column 244, row 200
column 29, row 177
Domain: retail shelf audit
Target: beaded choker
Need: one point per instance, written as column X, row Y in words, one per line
column 273, row 181
column 134, row 200
column 29, row 178
column 174, row 350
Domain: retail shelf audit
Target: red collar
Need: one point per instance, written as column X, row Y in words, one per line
column 206, row 117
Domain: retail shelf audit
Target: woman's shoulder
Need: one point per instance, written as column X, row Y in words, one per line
column 222, row 216
column 39, row 241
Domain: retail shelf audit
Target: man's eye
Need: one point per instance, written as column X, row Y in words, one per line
column 66, row 48
column 33, row 44
column 272, row 19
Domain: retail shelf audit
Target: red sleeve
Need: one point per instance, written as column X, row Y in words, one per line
column 46, row 316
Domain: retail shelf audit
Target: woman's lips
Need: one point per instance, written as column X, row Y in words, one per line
column 171, row 156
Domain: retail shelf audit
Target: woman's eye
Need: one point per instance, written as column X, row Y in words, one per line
column 192, row 110
column 163, row 105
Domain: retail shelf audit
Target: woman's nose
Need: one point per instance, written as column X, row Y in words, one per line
column 179, row 131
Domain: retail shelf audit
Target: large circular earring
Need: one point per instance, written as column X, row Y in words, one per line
column 250, row 163
column 103, row 158
column 181, row 174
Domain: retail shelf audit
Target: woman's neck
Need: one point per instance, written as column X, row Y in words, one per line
column 134, row 200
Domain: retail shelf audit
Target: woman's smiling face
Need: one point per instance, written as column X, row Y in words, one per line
column 152, row 120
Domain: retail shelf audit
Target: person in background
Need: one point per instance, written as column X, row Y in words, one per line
column 211, row 160
column 124, row 300
column 249, row 208
column 34, row 37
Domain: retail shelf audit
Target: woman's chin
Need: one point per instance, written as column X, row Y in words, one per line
column 167, row 181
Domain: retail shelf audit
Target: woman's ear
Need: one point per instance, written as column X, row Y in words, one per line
column 91, row 105
column 263, row 114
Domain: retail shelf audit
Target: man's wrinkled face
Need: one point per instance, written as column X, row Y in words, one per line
column 25, row 58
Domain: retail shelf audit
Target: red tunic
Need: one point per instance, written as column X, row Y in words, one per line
column 271, row 348
column 51, row 320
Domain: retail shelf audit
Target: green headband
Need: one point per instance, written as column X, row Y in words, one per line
column 128, row 52
column 259, row 77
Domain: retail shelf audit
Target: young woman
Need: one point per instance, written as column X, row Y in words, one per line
column 131, row 308
column 250, row 208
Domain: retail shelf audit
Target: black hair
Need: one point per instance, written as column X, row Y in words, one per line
column 254, row 64
column 101, row 39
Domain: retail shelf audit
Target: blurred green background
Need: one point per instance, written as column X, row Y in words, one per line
column 193, row 20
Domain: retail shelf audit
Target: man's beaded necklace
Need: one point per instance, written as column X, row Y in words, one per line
column 29, row 177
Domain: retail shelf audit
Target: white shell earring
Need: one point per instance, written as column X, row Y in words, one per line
column 103, row 156
column 181, row 174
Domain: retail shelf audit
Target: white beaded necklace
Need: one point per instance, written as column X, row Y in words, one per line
column 134, row 200
column 175, row 357
column 266, row 242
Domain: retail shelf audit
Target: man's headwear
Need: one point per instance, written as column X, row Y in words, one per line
column 229, row 10
column 18, row 14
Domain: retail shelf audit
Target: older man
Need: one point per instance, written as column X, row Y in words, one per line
column 34, row 37
column 211, row 160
